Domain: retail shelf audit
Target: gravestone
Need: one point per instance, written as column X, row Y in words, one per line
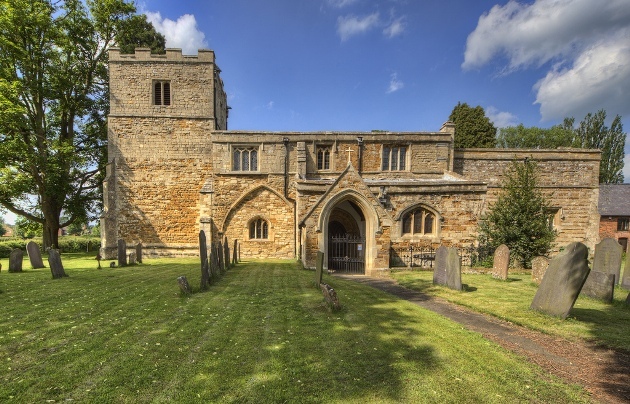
column 625, row 281
column 453, row 269
column 203, row 256
column 608, row 258
column 184, row 286
column 132, row 258
column 539, row 266
column 56, row 267
column 139, row 253
column 15, row 260
column 234, row 254
column 226, row 253
column 330, row 296
column 34, row 255
column 319, row 267
column 563, row 281
column 501, row 262
column 122, row 253
column 599, row 285
column 439, row 271
column 219, row 252
column 628, row 300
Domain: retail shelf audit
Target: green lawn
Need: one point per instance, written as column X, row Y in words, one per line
column 261, row 334
column 606, row 324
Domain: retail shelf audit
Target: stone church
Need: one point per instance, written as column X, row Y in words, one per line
column 175, row 169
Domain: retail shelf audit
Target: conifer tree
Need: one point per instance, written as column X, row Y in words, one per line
column 520, row 216
column 472, row 127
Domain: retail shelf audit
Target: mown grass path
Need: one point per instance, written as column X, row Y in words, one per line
column 261, row 334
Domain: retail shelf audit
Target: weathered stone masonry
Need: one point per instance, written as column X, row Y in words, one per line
column 175, row 169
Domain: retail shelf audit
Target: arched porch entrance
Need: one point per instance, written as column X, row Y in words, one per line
column 346, row 238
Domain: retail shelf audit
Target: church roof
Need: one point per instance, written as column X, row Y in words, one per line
column 614, row 200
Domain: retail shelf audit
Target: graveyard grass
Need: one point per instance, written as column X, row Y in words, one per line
column 261, row 333
column 590, row 319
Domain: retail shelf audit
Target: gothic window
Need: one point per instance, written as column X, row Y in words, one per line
column 394, row 158
column 623, row 224
column 162, row 92
column 418, row 221
column 259, row 229
column 323, row 157
column 245, row 158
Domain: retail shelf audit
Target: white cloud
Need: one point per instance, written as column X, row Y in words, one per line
column 598, row 78
column 501, row 119
column 270, row 105
column 340, row 3
column 394, row 84
column 182, row 33
column 587, row 45
column 395, row 28
column 351, row 25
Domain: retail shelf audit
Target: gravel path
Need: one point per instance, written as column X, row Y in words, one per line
column 605, row 373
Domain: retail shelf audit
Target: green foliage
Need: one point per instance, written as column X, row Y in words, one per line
column 520, row 216
column 592, row 133
column 138, row 32
column 534, row 137
column 472, row 127
column 25, row 228
column 54, row 102
column 67, row 244
column 3, row 231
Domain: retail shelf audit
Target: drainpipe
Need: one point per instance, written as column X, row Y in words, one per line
column 360, row 145
column 286, row 167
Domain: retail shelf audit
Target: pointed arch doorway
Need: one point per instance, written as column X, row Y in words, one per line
column 346, row 231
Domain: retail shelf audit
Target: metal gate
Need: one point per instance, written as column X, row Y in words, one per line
column 346, row 253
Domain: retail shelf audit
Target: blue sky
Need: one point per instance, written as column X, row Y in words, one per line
column 402, row 65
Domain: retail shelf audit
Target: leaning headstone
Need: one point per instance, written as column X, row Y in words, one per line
column 539, row 266
column 184, row 286
column 608, row 258
column 203, row 256
column 439, row 271
column 132, row 258
column 625, row 280
column 15, row 260
column 330, row 296
column 56, row 267
column 501, row 262
column 319, row 267
column 563, row 281
column 226, row 253
column 453, row 269
column 139, row 253
column 628, row 300
column 34, row 255
column 599, row 285
column 219, row 252
column 122, row 253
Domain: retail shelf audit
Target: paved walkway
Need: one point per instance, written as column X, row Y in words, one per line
column 603, row 372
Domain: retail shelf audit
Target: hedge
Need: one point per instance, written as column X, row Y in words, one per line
column 67, row 244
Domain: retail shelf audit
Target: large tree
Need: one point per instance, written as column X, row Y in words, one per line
column 534, row 137
column 53, row 106
column 472, row 127
column 520, row 217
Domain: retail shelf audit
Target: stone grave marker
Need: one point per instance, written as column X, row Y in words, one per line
column 625, row 281
column 139, row 253
column 319, row 267
column 330, row 296
column 501, row 262
column 122, row 253
column 628, row 300
column 184, row 286
column 234, row 253
column 15, row 260
column 539, row 266
column 56, row 267
column 219, row 252
column 226, row 253
column 599, row 285
column 34, row 255
column 439, row 271
column 203, row 256
column 453, row 269
column 132, row 258
column 608, row 258
column 563, row 281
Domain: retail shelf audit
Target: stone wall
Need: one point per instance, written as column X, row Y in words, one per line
column 568, row 178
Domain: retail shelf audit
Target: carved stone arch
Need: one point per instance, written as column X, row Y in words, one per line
column 372, row 224
column 244, row 196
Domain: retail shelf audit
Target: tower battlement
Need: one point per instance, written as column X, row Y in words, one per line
column 172, row 55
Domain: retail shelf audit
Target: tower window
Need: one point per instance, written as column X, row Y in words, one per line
column 245, row 159
column 162, row 93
